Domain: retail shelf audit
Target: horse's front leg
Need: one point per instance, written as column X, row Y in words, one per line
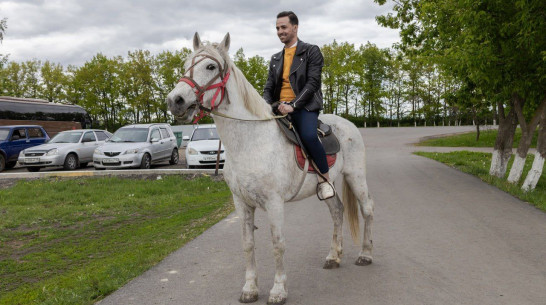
column 246, row 213
column 275, row 212
column 336, row 247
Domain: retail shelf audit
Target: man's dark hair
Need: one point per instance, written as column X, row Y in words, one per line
column 291, row 16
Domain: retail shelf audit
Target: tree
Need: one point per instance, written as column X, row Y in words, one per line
column 53, row 81
column 97, row 82
column 254, row 69
column 169, row 68
column 497, row 44
column 394, row 87
column 3, row 27
column 373, row 72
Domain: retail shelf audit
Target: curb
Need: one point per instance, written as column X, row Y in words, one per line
column 106, row 173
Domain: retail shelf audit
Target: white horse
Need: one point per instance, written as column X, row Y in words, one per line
column 260, row 167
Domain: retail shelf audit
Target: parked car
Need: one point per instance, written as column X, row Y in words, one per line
column 15, row 138
column 138, row 145
column 70, row 149
column 202, row 148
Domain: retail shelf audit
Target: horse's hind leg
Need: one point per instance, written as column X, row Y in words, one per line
column 336, row 247
column 359, row 187
column 246, row 213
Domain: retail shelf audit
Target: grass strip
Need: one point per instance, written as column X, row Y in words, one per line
column 76, row 241
column 487, row 139
column 478, row 163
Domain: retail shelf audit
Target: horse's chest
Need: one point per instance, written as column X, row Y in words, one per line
column 253, row 187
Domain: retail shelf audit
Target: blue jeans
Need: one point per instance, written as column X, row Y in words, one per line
column 306, row 123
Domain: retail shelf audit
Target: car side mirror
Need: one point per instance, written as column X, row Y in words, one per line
column 186, row 138
column 154, row 140
column 15, row 137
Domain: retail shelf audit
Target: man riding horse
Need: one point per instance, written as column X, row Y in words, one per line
column 293, row 87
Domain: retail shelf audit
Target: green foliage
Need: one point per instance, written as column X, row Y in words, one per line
column 254, row 69
column 477, row 164
column 76, row 241
column 494, row 49
column 3, row 27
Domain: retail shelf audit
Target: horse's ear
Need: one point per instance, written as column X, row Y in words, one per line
column 197, row 42
column 224, row 45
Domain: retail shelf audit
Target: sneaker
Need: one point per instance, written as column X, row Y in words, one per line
column 325, row 190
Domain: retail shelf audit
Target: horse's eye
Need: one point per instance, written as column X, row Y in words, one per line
column 211, row 67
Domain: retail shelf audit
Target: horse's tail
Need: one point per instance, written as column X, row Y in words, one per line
column 351, row 210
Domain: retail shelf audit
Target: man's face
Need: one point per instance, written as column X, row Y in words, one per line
column 286, row 31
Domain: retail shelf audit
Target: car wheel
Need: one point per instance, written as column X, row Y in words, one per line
column 84, row 164
column 2, row 162
column 71, row 162
column 146, row 162
column 33, row 169
column 10, row 164
column 174, row 157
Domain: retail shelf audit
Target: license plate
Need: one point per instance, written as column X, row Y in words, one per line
column 212, row 158
column 32, row 160
column 113, row 160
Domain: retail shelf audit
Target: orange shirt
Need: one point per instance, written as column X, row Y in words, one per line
column 287, row 94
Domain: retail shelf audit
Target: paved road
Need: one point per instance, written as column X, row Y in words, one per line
column 440, row 237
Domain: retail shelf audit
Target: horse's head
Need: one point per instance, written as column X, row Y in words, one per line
column 206, row 72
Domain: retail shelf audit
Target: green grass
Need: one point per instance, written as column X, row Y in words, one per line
column 75, row 241
column 487, row 139
column 477, row 164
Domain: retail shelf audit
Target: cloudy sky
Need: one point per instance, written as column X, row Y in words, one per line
column 73, row 31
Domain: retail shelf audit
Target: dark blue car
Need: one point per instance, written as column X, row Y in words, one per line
column 15, row 138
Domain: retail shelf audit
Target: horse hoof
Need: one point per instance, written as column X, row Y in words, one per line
column 248, row 297
column 363, row 261
column 330, row 264
column 276, row 302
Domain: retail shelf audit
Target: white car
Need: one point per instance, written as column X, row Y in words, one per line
column 70, row 149
column 202, row 149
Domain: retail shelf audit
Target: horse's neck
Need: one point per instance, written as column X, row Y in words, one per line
column 241, row 136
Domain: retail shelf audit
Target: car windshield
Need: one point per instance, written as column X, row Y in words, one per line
column 67, row 137
column 4, row 134
column 205, row 134
column 130, row 135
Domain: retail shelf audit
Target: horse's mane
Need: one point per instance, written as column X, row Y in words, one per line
column 252, row 100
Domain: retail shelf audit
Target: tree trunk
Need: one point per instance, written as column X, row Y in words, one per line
column 538, row 164
column 527, row 131
column 505, row 138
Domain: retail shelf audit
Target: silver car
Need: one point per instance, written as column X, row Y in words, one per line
column 70, row 149
column 137, row 145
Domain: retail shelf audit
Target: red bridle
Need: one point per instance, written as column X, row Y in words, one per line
column 200, row 90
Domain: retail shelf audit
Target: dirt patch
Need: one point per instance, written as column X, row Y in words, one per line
column 7, row 183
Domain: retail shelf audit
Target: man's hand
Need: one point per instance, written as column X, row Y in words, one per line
column 285, row 108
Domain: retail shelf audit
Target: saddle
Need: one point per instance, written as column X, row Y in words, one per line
column 326, row 136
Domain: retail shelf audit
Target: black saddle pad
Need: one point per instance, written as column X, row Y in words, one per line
column 326, row 136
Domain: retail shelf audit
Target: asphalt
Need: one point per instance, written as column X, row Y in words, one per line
column 440, row 237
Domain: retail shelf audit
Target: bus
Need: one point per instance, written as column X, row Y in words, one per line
column 53, row 117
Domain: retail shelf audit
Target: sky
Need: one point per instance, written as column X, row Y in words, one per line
column 71, row 32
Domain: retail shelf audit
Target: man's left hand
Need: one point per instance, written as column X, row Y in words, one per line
column 285, row 108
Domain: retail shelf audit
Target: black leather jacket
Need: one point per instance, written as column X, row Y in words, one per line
column 305, row 77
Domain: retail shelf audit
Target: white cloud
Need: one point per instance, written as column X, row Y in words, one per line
column 72, row 32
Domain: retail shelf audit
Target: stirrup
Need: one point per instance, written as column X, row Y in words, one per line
column 325, row 190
